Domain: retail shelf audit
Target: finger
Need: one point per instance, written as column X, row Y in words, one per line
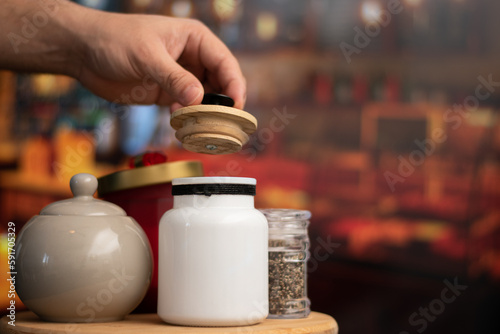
column 223, row 67
column 174, row 106
column 180, row 84
column 237, row 90
column 195, row 68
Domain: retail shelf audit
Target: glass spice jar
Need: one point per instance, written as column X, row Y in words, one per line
column 288, row 255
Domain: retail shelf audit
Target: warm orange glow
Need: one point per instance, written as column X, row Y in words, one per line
column 267, row 26
column 225, row 10
column 370, row 11
column 182, row 8
column 413, row 3
column 142, row 3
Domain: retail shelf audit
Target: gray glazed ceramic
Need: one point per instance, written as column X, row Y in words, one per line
column 82, row 259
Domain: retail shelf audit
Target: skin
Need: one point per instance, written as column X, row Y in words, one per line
column 124, row 58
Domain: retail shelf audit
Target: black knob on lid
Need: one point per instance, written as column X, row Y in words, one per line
column 217, row 99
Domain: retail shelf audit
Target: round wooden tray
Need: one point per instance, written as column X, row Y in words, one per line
column 27, row 322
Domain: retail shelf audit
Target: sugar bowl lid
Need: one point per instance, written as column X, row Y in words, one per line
column 83, row 186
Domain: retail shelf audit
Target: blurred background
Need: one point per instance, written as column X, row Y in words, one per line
column 380, row 117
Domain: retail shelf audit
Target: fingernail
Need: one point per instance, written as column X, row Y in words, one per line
column 190, row 95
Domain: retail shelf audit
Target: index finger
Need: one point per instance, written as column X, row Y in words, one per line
column 221, row 63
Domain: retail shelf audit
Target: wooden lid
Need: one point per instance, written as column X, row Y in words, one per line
column 213, row 129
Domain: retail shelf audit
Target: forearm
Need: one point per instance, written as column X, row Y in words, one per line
column 41, row 36
column 160, row 59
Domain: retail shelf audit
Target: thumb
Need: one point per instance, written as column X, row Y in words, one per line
column 180, row 84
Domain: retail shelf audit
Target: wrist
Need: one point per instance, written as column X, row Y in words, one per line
column 73, row 22
column 43, row 36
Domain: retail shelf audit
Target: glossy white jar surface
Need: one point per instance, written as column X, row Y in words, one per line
column 213, row 257
column 82, row 259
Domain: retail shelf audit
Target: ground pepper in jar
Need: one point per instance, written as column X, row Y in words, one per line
column 288, row 255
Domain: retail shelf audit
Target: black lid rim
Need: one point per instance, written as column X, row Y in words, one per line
column 210, row 189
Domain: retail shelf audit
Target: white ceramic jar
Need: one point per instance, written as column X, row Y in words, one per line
column 82, row 259
column 213, row 254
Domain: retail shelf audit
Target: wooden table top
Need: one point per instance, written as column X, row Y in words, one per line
column 27, row 322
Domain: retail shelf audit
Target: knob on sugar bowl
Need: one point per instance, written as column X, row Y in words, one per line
column 82, row 259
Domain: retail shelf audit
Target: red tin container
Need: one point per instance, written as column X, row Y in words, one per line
column 145, row 193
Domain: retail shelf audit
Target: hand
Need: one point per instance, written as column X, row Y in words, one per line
column 146, row 59
column 124, row 58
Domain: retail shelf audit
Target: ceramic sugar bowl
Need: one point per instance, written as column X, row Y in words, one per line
column 82, row 259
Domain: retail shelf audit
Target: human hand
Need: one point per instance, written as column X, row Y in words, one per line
column 124, row 58
column 146, row 59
